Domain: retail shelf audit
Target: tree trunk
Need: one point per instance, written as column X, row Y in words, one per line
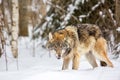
column 38, row 12
column 24, row 17
column 117, row 13
column 15, row 24
column 6, row 10
column 1, row 33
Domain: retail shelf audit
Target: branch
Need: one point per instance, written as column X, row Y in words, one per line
column 61, row 9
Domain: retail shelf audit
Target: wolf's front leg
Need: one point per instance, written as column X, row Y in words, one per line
column 91, row 59
column 66, row 62
column 76, row 60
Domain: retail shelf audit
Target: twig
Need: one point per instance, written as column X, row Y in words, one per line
column 3, row 43
column 17, row 64
column 33, row 48
column 59, row 8
column 6, row 58
column 49, row 54
column 33, row 45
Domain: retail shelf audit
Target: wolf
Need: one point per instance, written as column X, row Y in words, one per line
column 72, row 42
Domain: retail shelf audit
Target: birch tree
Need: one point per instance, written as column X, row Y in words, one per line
column 2, row 40
column 15, row 23
column 6, row 10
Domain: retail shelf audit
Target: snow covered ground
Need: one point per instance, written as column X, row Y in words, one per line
column 44, row 67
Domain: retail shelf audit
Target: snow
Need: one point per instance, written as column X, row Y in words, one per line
column 112, row 16
column 95, row 6
column 101, row 13
column 92, row 9
column 49, row 18
column 82, row 16
column 44, row 1
column 103, row 1
column 0, row 1
column 44, row 67
column 70, row 11
column 30, row 28
column 77, row 75
column 77, row 2
column 118, row 29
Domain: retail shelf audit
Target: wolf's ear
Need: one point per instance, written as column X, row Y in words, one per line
column 50, row 36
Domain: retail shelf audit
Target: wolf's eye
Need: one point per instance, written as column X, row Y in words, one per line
column 65, row 45
column 51, row 46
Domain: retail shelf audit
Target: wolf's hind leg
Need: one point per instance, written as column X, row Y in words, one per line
column 100, row 51
column 91, row 59
column 102, row 63
column 103, row 57
column 76, row 60
column 66, row 62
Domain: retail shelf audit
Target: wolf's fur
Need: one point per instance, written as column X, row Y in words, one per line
column 72, row 42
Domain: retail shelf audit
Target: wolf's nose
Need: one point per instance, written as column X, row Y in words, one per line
column 59, row 57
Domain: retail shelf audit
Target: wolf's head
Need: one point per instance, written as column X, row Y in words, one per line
column 57, row 41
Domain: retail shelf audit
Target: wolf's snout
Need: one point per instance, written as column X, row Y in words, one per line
column 59, row 57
